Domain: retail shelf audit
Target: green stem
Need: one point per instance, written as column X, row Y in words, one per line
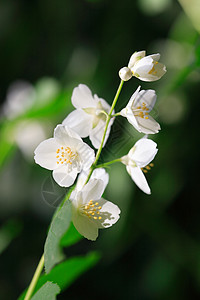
column 35, row 279
column 109, row 116
column 109, row 163
column 116, row 115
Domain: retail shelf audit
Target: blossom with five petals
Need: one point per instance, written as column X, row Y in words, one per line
column 66, row 154
column 89, row 118
column 138, row 109
column 145, row 68
column 90, row 212
column 139, row 157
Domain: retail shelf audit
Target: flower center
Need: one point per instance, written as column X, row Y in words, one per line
column 141, row 111
column 65, row 155
column 153, row 70
column 97, row 114
column 91, row 210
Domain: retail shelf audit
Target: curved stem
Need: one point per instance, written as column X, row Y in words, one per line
column 116, row 115
column 35, row 279
column 109, row 163
column 109, row 116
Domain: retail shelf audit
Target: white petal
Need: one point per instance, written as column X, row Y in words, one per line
column 82, row 97
column 85, row 226
column 155, row 57
column 148, row 97
column 144, row 152
column 98, row 173
column 148, row 126
column 160, row 70
column 93, row 190
column 142, row 69
column 104, row 104
column 65, row 135
column 101, row 173
column 133, row 97
column 96, row 134
column 135, row 58
column 132, row 119
column 79, row 121
column 45, row 154
column 139, row 179
column 63, row 177
column 109, row 213
column 86, row 154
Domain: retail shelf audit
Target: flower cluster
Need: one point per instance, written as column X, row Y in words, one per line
column 67, row 155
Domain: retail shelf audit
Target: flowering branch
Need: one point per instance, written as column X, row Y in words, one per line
column 67, row 155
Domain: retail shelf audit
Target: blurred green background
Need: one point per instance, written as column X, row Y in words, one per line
column 47, row 49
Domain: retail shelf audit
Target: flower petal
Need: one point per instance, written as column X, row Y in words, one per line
column 136, row 57
column 144, row 152
column 155, row 57
column 139, row 179
column 148, row 126
column 148, row 97
column 96, row 133
column 84, row 226
column 93, row 190
column 86, row 154
column 109, row 214
column 45, row 154
column 63, row 177
column 132, row 119
column 133, row 97
column 101, row 173
column 103, row 102
column 79, row 121
column 65, row 135
column 82, row 97
column 143, row 66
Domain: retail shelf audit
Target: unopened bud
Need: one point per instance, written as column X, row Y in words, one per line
column 125, row 74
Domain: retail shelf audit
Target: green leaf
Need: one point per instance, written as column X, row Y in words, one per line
column 71, row 237
column 59, row 225
column 68, row 271
column 47, row 292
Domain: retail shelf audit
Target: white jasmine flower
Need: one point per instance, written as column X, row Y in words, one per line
column 138, row 109
column 146, row 68
column 139, row 157
column 89, row 118
column 66, row 154
column 90, row 212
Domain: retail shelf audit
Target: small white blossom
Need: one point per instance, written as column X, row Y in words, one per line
column 66, row 154
column 90, row 212
column 145, row 68
column 139, row 157
column 89, row 118
column 138, row 109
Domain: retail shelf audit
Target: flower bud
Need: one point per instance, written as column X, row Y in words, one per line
column 125, row 74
